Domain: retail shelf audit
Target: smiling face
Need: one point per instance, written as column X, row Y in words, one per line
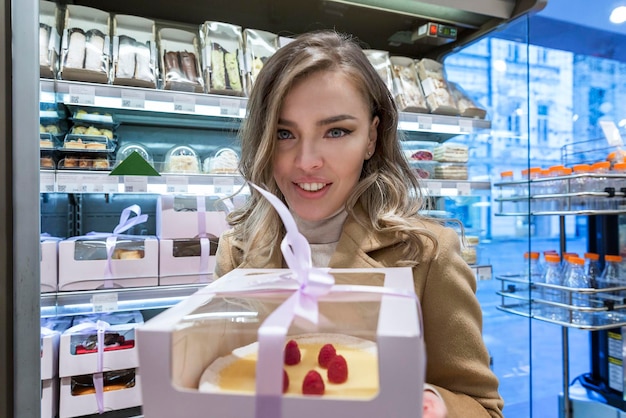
column 325, row 134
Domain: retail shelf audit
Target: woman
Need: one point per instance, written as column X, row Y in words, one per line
column 321, row 133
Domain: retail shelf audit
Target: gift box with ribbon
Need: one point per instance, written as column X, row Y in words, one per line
column 48, row 263
column 246, row 319
column 186, row 261
column 49, row 372
column 109, row 260
column 98, row 368
column 191, row 216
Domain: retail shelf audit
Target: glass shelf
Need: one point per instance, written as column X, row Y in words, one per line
column 603, row 308
column 92, row 301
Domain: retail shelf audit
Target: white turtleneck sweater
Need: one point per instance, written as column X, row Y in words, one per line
column 323, row 236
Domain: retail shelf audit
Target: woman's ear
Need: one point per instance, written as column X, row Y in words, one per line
column 373, row 137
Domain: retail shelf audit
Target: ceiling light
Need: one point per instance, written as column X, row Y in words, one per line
column 618, row 15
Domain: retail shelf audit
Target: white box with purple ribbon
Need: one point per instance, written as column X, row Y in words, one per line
column 110, row 260
column 186, row 261
column 191, row 216
column 179, row 347
column 77, row 397
column 49, row 353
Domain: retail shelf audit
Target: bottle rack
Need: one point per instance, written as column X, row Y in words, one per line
column 605, row 309
column 607, row 200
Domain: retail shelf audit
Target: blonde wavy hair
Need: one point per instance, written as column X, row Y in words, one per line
column 388, row 190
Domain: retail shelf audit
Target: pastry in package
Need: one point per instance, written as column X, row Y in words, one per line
column 435, row 86
column 223, row 58
column 381, row 63
column 467, row 106
column 407, row 90
column 259, row 46
column 180, row 60
column 134, row 51
column 49, row 39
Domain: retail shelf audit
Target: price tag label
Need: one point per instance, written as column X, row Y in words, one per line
column 134, row 99
column 69, row 183
column 434, row 188
column 229, row 107
column 110, row 184
column 466, row 126
column 483, row 273
column 98, row 183
column 135, row 184
column 464, row 189
column 105, row 302
column 46, row 181
column 425, row 122
column 177, row 184
column 184, row 103
column 224, row 185
column 81, row 94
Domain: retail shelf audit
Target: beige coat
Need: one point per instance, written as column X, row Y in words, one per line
column 457, row 360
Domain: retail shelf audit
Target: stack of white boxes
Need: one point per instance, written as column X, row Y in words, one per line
column 49, row 372
column 79, row 361
column 189, row 227
column 48, row 265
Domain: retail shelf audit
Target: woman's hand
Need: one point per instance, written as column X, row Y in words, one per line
column 434, row 407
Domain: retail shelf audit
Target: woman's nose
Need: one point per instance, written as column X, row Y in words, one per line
column 310, row 156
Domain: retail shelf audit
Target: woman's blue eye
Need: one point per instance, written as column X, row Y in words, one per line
column 283, row 134
column 337, row 132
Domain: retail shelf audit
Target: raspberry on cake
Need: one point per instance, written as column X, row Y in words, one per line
column 236, row 372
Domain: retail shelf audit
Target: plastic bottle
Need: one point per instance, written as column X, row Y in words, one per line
column 552, row 275
column 576, row 279
column 598, row 183
column 508, row 190
column 532, row 269
column 579, row 185
column 592, row 269
column 610, row 278
column 617, row 184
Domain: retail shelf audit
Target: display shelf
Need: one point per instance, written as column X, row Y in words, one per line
column 599, row 308
column 167, row 107
column 92, row 301
column 85, row 181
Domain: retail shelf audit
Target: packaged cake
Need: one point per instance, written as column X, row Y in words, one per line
column 86, row 45
column 222, row 57
column 49, row 38
column 135, row 55
column 182, row 159
column 452, row 153
column 223, row 161
column 435, row 87
column 298, row 342
column 187, row 261
column 179, row 52
column 382, row 64
column 451, row 171
column 259, row 46
column 128, row 148
column 407, row 88
column 192, row 216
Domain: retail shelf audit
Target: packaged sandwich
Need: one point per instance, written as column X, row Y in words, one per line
column 435, row 86
column 222, row 58
column 407, row 89
column 382, row 64
column 179, row 52
column 259, row 46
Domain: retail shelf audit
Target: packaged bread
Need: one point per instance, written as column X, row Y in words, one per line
column 467, row 107
column 222, row 56
column 407, row 89
column 382, row 64
column 435, row 87
column 134, row 51
column 449, row 152
column 49, row 38
column 85, row 45
column 179, row 52
column 259, row 46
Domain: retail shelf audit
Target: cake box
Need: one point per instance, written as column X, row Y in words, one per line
column 49, row 398
column 176, row 346
column 186, row 261
column 106, row 260
column 190, row 216
column 48, row 265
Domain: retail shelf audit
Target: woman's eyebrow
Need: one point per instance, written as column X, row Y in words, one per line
column 333, row 119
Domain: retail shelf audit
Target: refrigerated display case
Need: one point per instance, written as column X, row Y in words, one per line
column 73, row 202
